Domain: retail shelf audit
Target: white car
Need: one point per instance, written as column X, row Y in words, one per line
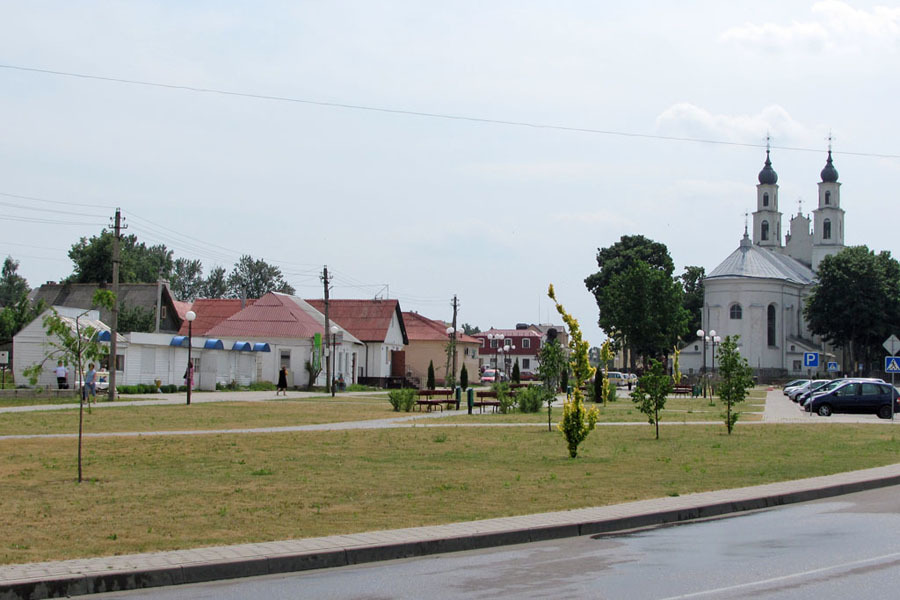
column 620, row 379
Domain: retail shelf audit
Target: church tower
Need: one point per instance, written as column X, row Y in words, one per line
column 828, row 218
column 766, row 218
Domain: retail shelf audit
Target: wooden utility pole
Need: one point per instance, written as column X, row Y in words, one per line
column 114, row 318
column 455, row 334
column 329, row 358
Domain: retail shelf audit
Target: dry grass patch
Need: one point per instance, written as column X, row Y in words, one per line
column 200, row 416
column 159, row 493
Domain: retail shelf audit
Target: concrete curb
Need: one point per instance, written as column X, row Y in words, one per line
column 78, row 577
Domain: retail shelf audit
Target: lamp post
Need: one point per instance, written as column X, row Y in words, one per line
column 190, row 316
column 705, row 338
column 334, row 331
column 496, row 337
column 507, row 361
column 451, row 333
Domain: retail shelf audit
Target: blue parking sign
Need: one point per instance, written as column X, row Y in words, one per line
column 810, row 359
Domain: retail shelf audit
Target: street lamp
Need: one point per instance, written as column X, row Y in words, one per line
column 715, row 340
column 706, row 338
column 451, row 333
column 506, row 359
column 190, row 316
column 334, row 331
column 498, row 337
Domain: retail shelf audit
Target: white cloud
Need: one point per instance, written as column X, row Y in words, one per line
column 835, row 26
column 692, row 121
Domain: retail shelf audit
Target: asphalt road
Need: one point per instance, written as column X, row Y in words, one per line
column 845, row 547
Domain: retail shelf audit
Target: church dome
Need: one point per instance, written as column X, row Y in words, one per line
column 768, row 176
column 829, row 173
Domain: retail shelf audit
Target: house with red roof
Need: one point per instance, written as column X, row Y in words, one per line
column 210, row 312
column 295, row 334
column 428, row 340
column 379, row 324
column 524, row 347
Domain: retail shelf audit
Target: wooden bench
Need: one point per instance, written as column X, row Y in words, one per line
column 489, row 398
column 435, row 398
column 683, row 390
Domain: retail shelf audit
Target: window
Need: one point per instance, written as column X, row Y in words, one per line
column 162, row 313
column 827, row 197
column 766, row 199
column 507, row 342
column 796, row 365
column 482, row 342
column 526, row 343
column 696, row 347
column 826, row 229
column 526, row 363
column 870, row 389
column 494, row 343
column 764, row 231
column 770, row 325
column 736, row 311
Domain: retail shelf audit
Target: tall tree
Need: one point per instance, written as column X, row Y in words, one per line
column 216, row 283
column 470, row 329
column 187, row 279
column 13, row 286
column 692, row 283
column 139, row 263
column 256, row 278
column 16, row 316
column 856, row 302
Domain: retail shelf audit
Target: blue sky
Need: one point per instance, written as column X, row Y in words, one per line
column 434, row 207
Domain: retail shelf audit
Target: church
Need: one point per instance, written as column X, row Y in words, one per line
column 758, row 292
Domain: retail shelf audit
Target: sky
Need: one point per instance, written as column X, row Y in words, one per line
column 423, row 150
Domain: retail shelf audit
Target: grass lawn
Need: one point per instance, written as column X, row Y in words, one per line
column 159, row 493
column 210, row 415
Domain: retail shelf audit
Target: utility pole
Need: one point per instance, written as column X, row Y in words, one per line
column 455, row 334
column 326, row 280
column 114, row 320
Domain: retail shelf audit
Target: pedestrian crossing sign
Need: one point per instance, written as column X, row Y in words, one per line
column 892, row 364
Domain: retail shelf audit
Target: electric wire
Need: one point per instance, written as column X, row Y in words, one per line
column 431, row 115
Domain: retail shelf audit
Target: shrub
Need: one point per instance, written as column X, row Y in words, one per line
column 168, row 389
column 430, row 383
column 530, row 399
column 516, row 374
column 358, row 387
column 261, row 386
column 504, row 396
column 464, row 377
column 611, row 392
column 402, row 400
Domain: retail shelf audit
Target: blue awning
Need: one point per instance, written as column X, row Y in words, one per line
column 104, row 336
column 214, row 345
column 243, row 347
column 261, row 347
column 178, row 340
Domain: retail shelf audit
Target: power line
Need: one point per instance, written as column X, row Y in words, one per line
column 36, row 199
column 431, row 115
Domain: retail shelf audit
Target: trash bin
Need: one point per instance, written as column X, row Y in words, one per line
column 696, row 391
column 470, row 398
column 458, row 392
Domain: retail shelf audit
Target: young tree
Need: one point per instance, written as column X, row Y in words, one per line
column 651, row 391
column 187, row 279
column 516, row 374
column 577, row 422
column 735, row 378
column 73, row 343
column 464, row 377
column 256, row 278
column 216, row 283
column 552, row 362
column 13, row 286
column 430, row 382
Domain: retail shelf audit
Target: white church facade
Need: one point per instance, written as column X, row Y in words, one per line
column 758, row 292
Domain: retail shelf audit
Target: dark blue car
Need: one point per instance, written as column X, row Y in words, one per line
column 856, row 397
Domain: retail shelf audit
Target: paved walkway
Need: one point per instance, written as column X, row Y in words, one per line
column 93, row 575
column 780, row 409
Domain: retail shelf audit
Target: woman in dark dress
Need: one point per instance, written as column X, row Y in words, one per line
column 282, row 381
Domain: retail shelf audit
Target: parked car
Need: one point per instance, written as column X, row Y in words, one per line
column 619, row 379
column 793, row 385
column 855, row 396
column 527, row 376
column 796, row 393
column 490, row 376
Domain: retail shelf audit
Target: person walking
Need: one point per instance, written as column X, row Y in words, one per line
column 90, row 384
column 282, row 382
column 62, row 375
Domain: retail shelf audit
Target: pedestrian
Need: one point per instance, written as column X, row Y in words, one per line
column 90, row 384
column 62, row 375
column 282, row 382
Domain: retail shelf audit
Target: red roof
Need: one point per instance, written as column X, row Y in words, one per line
column 210, row 312
column 421, row 329
column 367, row 320
column 511, row 333
column 274, row 316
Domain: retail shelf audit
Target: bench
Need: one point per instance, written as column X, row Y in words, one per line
column 435, row 398
column 683, row 390
column 489, row 398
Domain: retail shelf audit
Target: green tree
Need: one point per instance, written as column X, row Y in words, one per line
column 136, row 318
column 735, row 378
column 216, row 283
column 516, row 374
column 577, row 422
column 470, row 329
column 692, row 301
column 16, row 316
column 73, row 343
column 552, row 361
column 255, row 278
column 651, row 391
column 855, row 303
column 139, row 263
column 637, row 296
column 13, row 286
column 187, row 279
column 430, row 381
column 464, row 377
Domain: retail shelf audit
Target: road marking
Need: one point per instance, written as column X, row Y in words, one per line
column 762, row 582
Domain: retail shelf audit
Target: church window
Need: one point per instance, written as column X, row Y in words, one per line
column 765, row 199
column 827, row 197
column 764, row 231
column 770, row 325
column 736, row 312
column 826, row 229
